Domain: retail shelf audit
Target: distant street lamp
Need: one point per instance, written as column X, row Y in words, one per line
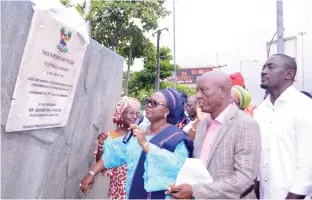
column 245, row 61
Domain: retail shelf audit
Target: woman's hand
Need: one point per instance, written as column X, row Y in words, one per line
column 86, row 183
column 139, row 133
column 101, row 138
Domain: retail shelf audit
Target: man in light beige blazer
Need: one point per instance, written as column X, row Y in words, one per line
column 227, row 141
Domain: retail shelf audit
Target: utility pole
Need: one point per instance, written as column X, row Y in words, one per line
column 302, row 57
column 157, row 79
column 174, row 49
column 217, row 63
column 217, row 59
column 280, row 27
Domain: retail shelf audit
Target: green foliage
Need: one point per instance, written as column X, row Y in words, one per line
column 141, row 80
column 166, row 66
column 142, row 83
column 183, row 88
column 80, row 8
column 120, row 25
column 124, row 74
column 66, row 3
column 142, row 94
column 146, row 77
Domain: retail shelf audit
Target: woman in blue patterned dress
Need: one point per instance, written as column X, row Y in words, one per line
column 154, row 157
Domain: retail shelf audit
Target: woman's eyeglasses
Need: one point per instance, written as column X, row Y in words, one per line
column 131, row 113
column 153, row 103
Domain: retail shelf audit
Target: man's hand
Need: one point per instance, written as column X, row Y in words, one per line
column 183, row 191
column 200, row 114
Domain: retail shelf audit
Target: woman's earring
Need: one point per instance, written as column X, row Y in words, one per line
column 166, row 114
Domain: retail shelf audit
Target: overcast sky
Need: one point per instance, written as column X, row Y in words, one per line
column 238, row 30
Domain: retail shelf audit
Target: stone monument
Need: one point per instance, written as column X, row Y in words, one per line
column 50, row 162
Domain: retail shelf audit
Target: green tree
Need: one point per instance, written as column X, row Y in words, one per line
column 145, row 79
column 115, row 24
column 122, row 25
column 166, row 65
column 139, row 91
column 142, row 83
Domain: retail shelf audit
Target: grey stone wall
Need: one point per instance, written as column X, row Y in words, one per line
column 49, row 163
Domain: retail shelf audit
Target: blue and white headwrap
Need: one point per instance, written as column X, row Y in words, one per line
column 175, row 105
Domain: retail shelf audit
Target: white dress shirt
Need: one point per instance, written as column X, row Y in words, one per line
column 188, row 126
column 286, row 140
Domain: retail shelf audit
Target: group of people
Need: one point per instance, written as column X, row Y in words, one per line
column 250, row 151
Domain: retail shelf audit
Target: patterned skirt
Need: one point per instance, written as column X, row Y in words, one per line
column 118, row 176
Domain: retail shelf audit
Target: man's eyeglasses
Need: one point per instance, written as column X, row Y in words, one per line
column 153, row 103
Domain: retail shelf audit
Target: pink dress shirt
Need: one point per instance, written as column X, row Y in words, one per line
column 211, row 133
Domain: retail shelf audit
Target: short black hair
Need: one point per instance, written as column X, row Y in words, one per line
column 307, row 94
column 290, row 63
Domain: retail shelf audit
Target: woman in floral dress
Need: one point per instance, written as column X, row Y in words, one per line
column 125, row 114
